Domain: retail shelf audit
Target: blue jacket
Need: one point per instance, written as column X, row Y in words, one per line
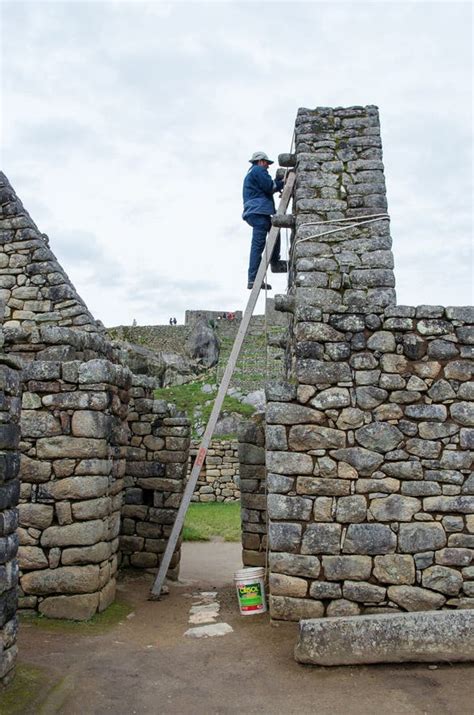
column 258, row 191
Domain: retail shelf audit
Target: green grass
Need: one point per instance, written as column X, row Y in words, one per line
column 99, row 623
column 205, row 521
column 193, row 401
column 27, row 691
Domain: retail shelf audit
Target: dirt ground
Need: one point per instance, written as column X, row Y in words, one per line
column 144, row 664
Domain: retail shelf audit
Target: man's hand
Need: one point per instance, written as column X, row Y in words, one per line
column 280, row 174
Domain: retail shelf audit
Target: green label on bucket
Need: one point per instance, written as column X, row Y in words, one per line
column 250, row 596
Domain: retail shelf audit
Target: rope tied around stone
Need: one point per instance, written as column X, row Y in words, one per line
column 369, row 218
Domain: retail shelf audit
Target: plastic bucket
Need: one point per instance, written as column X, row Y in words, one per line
column 250, row 591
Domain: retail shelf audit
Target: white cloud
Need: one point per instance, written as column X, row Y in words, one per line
column 131, row 124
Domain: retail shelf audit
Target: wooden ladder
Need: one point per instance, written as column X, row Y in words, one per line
column 223, row 387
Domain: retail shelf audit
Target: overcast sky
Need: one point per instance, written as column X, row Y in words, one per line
column 127, row 127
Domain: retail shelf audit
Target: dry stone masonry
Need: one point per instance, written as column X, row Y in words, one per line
column 73, row 462
column 10, row 404
column 90, row 432
column 219, row 477
column 253, row 491
column 369, row 442
column 33, row 286
column 155, row 477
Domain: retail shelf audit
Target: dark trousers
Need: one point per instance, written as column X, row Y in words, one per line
column 261, row 225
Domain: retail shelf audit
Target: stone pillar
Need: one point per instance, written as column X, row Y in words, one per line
column 157, row 460
column 340, row 175
column 253, row 491
column 10, row 402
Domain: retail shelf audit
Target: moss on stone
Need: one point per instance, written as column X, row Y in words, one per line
column 100, row 622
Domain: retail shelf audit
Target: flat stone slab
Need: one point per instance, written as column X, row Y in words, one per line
column 217, row 629
column 426, row 636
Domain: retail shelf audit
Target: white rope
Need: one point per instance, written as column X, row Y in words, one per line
column 340, row 220
column 367, row 219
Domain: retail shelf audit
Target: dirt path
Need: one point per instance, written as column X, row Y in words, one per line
column 144, row 664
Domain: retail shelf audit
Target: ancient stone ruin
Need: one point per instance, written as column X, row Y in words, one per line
column 368, row 442
column 356, row 488
column 103, row 464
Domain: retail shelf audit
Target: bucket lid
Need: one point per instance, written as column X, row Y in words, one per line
column 253, row 572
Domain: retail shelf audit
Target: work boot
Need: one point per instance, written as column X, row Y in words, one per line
column 279, row 266
column 262, row 287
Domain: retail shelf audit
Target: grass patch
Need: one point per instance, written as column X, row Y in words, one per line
column 205, row 521
column 27, row 691
column 196, row 403
column 99, row 623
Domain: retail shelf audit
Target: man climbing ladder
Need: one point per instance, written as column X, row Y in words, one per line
column 221, row 393
column 259, row 207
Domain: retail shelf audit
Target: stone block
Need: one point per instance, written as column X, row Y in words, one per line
column 283, row 585
column 363, row 460
column 443, row 579
column 74, row 488
column 396, row 569
column 342, row 607
column 369, row 539
column 463, row 504
column 417, row 637
column 38, row 516
column 363, row 592
column 68, row 579
column 86, row 555
column 284, row 608
column 289, row 463
column 288, row 508
column 91, row 423
column 453, row 556
column 321, row 539
column 413, row 598
column 284, row 537
column 322, row 487
column 80, row 534
column 92, row 508
column 72, row 608
column 325, row 589
column 305, row 437
column 351, row 509
column 394, row 508
column 35, row 423
column 32, row 557
column 291, row 414
column 294, row 564
column 65, row 446
column 414, row 538
column 379, row 436
column 331, row 398
column 107, row 595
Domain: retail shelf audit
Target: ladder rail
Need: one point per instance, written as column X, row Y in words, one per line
column 222, row 391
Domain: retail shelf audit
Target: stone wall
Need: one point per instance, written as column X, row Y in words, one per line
column 372, row 494
column 78, row 430
column 155, row 478
column 369, row 441
column 33, row 285
column 10, row 402
column 253, row 491
column 219, row 477
column 72, row 467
